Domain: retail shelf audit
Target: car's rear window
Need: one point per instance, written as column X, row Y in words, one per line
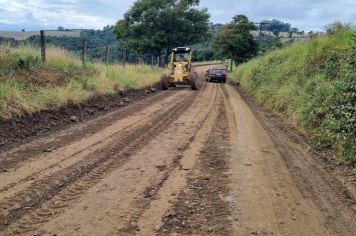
column 218, row 70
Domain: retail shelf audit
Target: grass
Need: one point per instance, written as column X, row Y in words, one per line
column 62, row 79
column 314, row 84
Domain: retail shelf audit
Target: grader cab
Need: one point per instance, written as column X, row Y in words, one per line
column 180, row 70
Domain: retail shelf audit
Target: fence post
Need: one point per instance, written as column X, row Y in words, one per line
column 107, row 55
column 136, row 59
column 43, row 46
column 124, row 57
column 84, row 50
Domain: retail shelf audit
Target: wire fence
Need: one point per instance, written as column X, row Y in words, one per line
column 88, row 51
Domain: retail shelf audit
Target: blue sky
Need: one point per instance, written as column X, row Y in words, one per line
column 48, row 14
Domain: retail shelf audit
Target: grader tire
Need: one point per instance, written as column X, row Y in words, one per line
column 193, row 81
column 164, row 82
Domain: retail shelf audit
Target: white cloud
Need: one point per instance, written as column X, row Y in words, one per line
column 68, row 13
column 304, row 14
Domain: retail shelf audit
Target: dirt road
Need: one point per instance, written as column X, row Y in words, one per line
column 179, row 162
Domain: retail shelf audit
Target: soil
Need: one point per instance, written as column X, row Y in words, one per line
column 275, row 121
column 24, row 128
column 176, row 162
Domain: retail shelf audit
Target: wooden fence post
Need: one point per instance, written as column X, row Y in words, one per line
column 136, row 59
column 107, row 55
column 84, row 50
column 124, row 57
column 43, row 46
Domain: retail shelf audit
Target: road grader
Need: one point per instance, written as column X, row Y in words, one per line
column 180, row 70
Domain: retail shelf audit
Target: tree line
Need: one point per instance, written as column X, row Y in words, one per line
column 152, row 28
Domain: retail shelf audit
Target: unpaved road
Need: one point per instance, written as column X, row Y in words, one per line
column 179, row 162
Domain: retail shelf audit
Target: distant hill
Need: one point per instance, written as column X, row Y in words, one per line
column 53, row 33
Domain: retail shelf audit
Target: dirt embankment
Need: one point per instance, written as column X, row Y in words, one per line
column 22, row 129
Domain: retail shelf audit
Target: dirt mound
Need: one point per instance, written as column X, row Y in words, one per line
column 22, row 129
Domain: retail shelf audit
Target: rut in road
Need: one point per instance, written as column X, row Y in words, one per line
column 132, row 188
column 180, row 162
column 65, row 182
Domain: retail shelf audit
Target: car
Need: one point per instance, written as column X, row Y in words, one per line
column 216, row 74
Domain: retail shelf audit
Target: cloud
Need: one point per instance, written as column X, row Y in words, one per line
column 67, row 13
column 304, row 14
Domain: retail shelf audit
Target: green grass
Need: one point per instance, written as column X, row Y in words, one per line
column 314, row 84
column 62, row 79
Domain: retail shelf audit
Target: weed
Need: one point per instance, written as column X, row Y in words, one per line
column 60, row 80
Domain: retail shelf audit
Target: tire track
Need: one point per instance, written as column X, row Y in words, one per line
column 75, row 155
column 201, row 207
column 12, row 158
column 151, row 193
column 52, row 194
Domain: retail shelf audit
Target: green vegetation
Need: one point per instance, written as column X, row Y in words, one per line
column 235, row 40
column 151, row 26
column 28, row 85
column 277, row 26
column 204, row 52
column 314, row 84
column 97, row 40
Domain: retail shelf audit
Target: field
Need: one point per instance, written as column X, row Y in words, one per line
column 60, row 80
column 25, row 35
column 314, row 85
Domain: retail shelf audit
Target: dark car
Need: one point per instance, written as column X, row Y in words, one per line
column 216, row 74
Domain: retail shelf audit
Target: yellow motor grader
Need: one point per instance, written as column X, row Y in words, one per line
column 180, row 70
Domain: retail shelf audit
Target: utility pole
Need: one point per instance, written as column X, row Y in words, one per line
column 260, row 30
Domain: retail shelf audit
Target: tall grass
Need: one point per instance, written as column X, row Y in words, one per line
column 314, row 84
column 22, row 90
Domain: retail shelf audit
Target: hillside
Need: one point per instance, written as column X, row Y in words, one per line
column 50, row 33
column 314, row 84
column 62, row 79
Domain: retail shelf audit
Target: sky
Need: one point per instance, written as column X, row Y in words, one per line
column 49, row 14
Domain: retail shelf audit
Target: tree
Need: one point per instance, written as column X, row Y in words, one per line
column 275, row 25
column 234, row 40
column 152, row 25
